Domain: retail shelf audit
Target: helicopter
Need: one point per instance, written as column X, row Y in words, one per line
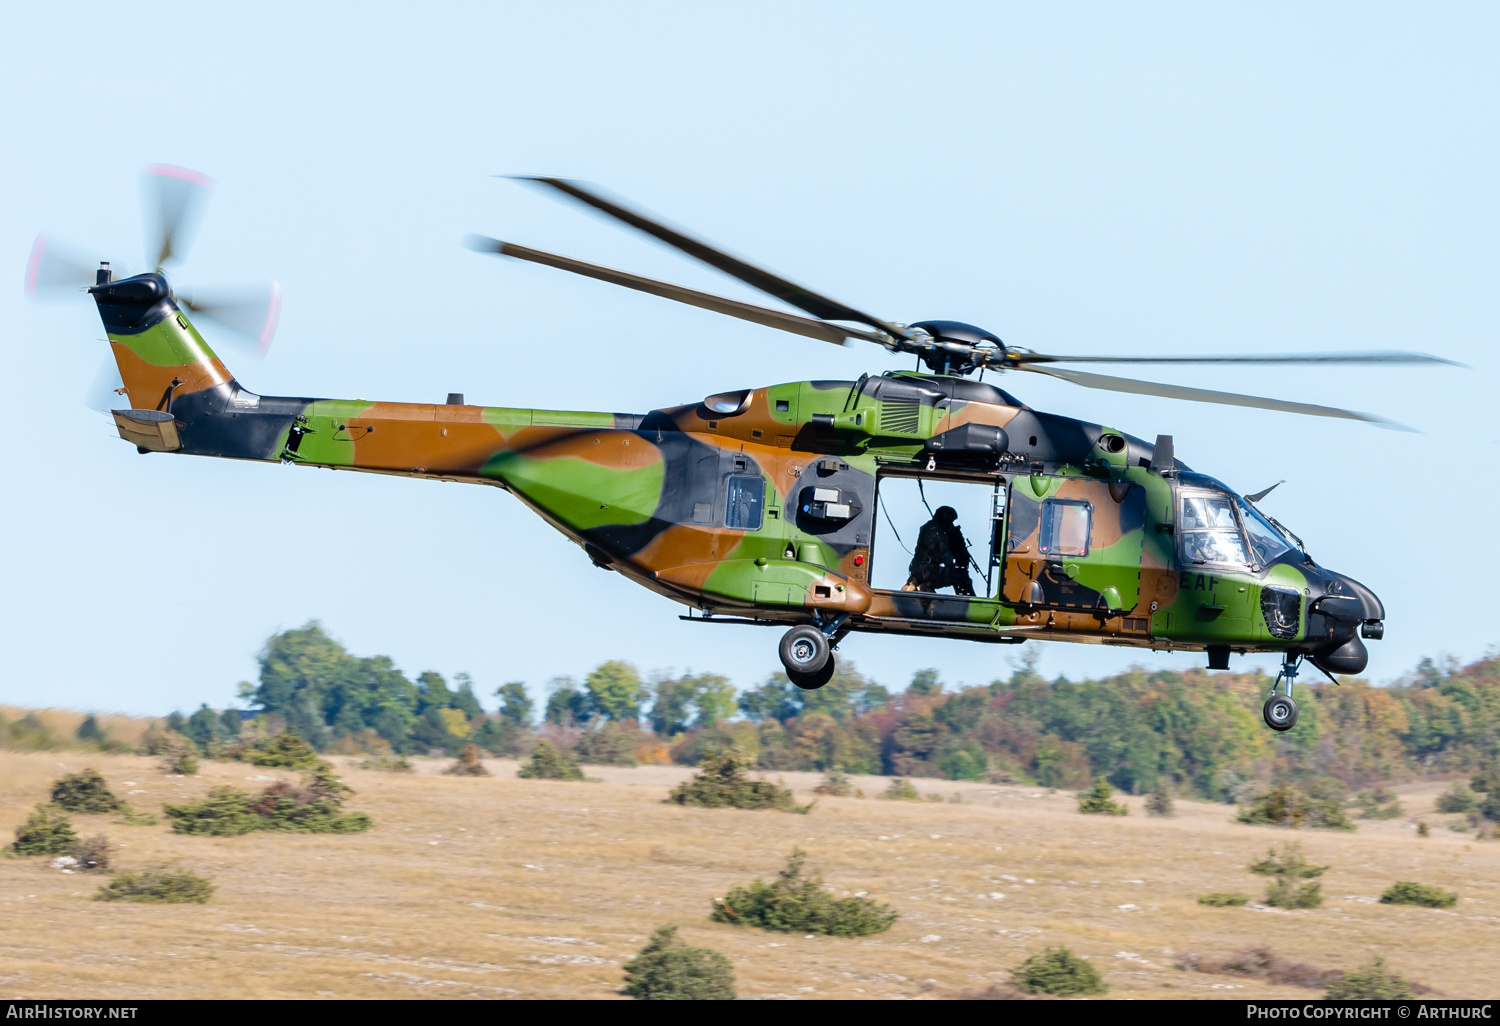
column 771, row 505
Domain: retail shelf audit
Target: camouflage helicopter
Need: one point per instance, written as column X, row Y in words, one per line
column 767, row 505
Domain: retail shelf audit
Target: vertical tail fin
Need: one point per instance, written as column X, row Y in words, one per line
column 161, row 356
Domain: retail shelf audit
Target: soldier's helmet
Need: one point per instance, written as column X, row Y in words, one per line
column 945, row 515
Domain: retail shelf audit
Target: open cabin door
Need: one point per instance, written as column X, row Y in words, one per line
column 1074, row 544
column 907, row 505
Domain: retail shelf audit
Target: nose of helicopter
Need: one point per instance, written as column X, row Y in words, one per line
column 1337, row 619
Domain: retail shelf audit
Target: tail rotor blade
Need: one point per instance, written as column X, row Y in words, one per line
column 251, row 314
column 174, row 201
column 105, row 391
column 54, row 272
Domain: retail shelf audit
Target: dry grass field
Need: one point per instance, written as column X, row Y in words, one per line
column 501, row 887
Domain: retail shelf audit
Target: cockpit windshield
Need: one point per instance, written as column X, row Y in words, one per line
column 1267, row 542
column 1222, row 529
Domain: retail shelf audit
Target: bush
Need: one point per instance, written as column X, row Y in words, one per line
column 92, row 853
column 1098, row 800
column 669, row 970
column 1457, row 799
column 1322, row 808
column 1058, row 971
column 1159, row 802
column 286, row 750
column 391, row 764
column 84, row 792
column 1262, row 963
column 836, row 784
column 802, row 904
column 1487, row 777
column 157, row 885
column 1404, row 892
column 1370, row 983
column 547, row 763
column 901, row 790
column 314, row 807
column 721, row 783
column 1377, row 803
column 468, row 764
column 1224, row 899
column 45, row 832
column 612, row 744
column 1288, row 871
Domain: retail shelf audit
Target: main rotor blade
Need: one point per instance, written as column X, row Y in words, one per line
column 1373, row 356
column 798, row 325
column 252, row 314
column 174, row 199
column 1203, row 395
column 755, row 277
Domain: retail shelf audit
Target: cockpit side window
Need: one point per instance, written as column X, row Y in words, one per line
column 1210, row 531
column 1065, row 527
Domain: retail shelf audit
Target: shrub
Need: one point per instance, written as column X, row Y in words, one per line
column 1262, row 963
column 1487, row 777
column 157, row 885
column 45, row 832
column 1422, row 830
column 468, row 764
column 1377, row 803
column 1405, row 892
column 1159, row 802
column 1457, row 799
column 1058, row 971
column 178, row 754
column 1098, row 800
column 1288, row 805
column 1369, row 983
column 836, row 783
column 669, row 970
column 901, row 790
column 391, row 764
column 547, row 763
column 84, row 792
column 1223, row 899
column 92, row 853
column 721, row 783
column 612, row 744
column 314, row 807
column 286, row 749
column 1287, row 872
column 802, row 904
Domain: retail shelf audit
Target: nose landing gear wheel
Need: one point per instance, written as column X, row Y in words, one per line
column 1280, row 712
column 807, row 656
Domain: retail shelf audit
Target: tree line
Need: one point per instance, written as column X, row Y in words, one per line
column 1197, row 732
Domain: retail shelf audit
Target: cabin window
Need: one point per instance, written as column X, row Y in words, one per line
column 743, row 511
column 1065, row 527
column 1210, row 531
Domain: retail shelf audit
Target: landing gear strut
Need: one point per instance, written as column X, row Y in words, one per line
column 807, row 654
column 1280, row 711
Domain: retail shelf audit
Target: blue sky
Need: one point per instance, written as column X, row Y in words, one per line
column 1149, row 178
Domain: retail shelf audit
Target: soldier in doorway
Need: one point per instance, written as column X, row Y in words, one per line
column 942, row 556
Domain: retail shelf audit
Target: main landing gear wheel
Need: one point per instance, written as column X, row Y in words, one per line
column 818, row 679
column 807, row 656
column 1280, row 712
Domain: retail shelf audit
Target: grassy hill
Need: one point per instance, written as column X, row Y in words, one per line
column 502, row 887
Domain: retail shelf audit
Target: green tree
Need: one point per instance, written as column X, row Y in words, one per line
column 203, row 727
column 669, row 970
column 776, row 699
column 615, row 691
column 1287, row 871
column 547, row 763
column 231, row 722
column 714, row 699
column 434, row 691
column 566, row 705
column 1371, row 982
column 89, row 730
column 464, row 699
column 1058, row 971
column 798, row 903
column 515, row 703
column 924, row 682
